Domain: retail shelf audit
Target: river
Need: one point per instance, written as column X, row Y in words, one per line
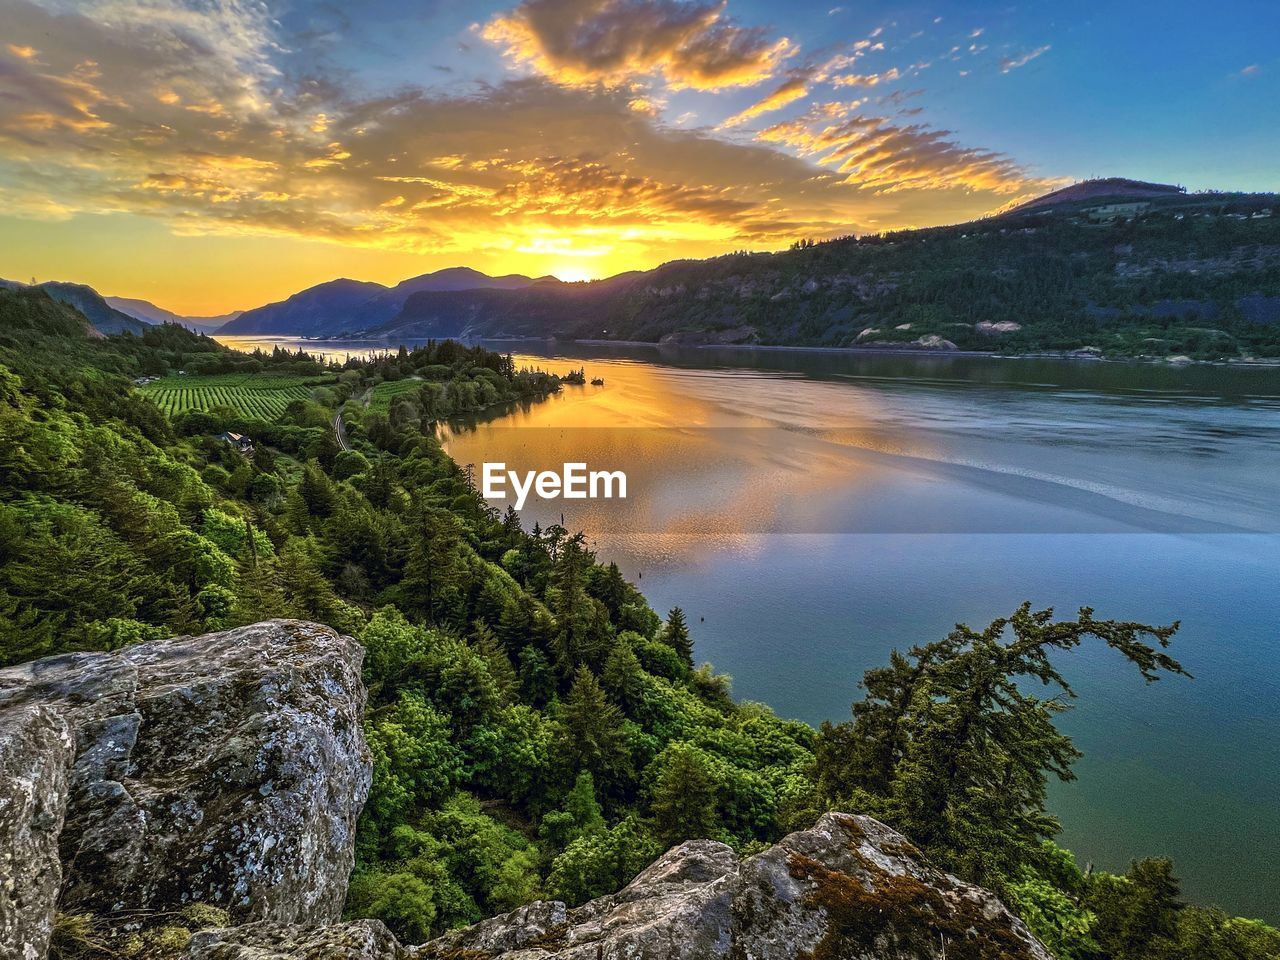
column 811, row 511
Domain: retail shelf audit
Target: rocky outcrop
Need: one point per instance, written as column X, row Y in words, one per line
column 36, row 753
column 358, row 940
column 227, row 769
column 848, row 888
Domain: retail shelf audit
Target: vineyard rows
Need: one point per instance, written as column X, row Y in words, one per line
column 260, row 397
column 384, row 393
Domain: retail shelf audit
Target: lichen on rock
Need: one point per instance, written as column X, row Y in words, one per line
column 36, row 752
column 227, row 769
column 848, row 888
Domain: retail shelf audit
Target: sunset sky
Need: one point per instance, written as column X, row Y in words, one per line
column 213, row 155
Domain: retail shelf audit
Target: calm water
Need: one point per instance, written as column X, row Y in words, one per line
column 813, row 511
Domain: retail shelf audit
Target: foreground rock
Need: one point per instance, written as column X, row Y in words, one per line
column 227, row 769
column 849, row 888
column 358, row 940
column 36, row 753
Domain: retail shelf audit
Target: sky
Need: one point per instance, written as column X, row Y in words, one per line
column 213, row 155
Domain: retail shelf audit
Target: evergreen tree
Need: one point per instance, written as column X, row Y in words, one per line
column 684, row 798
column 677, row 635
column 434, row 569
column 592, row 737
column 503, row 673
column 537, row 679
column 623, row 677
column 316, row 490
column 309, row 595
column 258, row 596
column 950, row 749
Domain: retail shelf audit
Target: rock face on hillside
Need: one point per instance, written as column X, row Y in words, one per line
column 848, row 888
column 36, row 753
column 227, row 769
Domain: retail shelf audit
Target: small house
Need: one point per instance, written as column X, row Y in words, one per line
column 242, row 443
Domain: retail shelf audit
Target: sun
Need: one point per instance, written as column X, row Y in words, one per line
column 573, row 273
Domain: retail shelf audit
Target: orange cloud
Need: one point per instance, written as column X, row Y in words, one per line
column 796, row 88
column 616, row 42
column 874, row 153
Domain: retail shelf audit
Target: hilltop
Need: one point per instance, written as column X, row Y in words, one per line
column 1106, row 188
column 105, row 318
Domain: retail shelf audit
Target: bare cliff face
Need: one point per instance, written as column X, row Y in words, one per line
column 228, row 771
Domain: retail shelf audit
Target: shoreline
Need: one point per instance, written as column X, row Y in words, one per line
column 911, row 352
column 1264, row 363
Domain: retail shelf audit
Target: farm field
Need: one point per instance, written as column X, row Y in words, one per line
column 261, row 396
column 384, row 393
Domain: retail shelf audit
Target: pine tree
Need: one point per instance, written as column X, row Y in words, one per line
column 434, row 569
column 537, row 679
column 307, row 592
column 623, row 678
column 677, row 635
column 259, row 596
column 684, row 798
column 490, row 648
column 316, row 490
column 592, row 737
column 952, row 747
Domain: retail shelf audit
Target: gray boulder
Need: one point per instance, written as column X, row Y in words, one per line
column 264, row 940
column 36, row 752
column 227, row 769
column 848, row 888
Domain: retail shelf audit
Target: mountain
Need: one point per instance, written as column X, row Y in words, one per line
column 341, row 306
column 1109, row 188
column 105, row 318
column 148, row 312
column 1122, row 268
column 322, row 310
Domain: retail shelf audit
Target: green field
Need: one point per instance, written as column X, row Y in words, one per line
column 261, row 396
column 384, row 393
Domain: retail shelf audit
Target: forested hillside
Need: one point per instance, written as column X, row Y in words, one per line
column 1166, row 276
column 537, row 729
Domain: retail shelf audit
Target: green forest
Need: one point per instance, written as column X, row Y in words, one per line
column 537, row 729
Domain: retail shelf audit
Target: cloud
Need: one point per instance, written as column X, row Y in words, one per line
column 1022, row 59
column 190, row 119
column 873, row 153
column 789, row 92
column 1250, row 70
column 616, row 42
column 867, row 79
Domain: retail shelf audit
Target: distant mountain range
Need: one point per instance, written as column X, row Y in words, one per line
column 1122, row 267
column 1117, row 267
column 148, row 312
column 348, row 306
